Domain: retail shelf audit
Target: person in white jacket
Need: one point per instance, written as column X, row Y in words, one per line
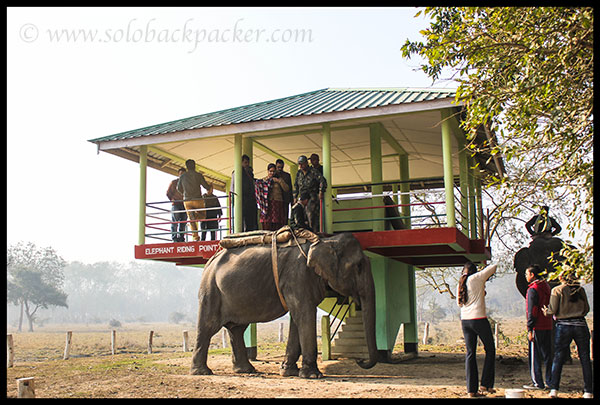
column 470, row 297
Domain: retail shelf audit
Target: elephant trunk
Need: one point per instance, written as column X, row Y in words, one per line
column 367, row 302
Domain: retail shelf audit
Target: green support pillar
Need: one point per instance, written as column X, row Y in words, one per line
column 408, row 288
column 404, row 190
column 394, row 297
column 142, row 201
column 472, row 199
column 448, row 175
column 411, row 327
column 250, row 341
column 229, row 207
column 237, row 199
column 293, row 173
column 248, row 149
column 328, row 214
column 463, row 163
column 478, row 202
column 376, row 176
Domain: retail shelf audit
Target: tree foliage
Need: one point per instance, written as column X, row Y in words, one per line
column 527, row 74
column 34, row 279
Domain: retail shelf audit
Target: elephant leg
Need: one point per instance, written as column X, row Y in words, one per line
column 307, row 331
column 239, row 357
column 205, row 333
column 208, row 324
column 292, row 352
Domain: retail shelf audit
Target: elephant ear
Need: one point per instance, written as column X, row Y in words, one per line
column 323, row 260
column 521, row 261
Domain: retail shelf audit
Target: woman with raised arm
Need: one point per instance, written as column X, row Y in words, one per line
column 470, row 298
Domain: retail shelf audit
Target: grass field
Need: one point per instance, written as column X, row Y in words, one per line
column 92, row 371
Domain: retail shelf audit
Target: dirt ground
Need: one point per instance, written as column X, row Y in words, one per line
column 430, row 375
column 437, row 372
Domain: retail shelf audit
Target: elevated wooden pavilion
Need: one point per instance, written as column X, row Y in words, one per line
column 401, row 141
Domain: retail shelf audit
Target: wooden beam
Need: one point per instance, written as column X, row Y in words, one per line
column 181, row 160
column 271, row 152
column 390, row 140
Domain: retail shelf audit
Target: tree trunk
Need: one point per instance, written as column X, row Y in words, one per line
column 21, row 318
column 29, row 316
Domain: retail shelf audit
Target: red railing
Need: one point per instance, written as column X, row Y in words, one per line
column 164, row 217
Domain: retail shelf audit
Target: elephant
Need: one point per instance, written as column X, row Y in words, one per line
column 238, row 288
column 538, row 252
column 391, row 211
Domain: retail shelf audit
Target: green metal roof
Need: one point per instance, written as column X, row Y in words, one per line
column 311, row 103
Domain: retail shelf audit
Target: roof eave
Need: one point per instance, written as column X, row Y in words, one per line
column 277, row 124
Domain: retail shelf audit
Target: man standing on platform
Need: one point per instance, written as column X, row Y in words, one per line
column 309, row 180
column 178, row 215
column 287, row 195
column 249, row 209
column 189, row 185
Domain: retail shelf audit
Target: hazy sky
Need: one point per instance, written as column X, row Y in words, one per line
column 80, row 73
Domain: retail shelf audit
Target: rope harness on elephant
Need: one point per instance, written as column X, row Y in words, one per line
column 282, row 236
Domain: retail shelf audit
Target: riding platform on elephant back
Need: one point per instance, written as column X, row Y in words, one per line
column 401, row 185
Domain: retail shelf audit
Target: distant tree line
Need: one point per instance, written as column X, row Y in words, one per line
column 41, row 286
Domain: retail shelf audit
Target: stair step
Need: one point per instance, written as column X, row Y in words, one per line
column 350, row 354
column 350, row 341
column 349, row 350
column 354, row 320
column 353, row 328
column 343, row 334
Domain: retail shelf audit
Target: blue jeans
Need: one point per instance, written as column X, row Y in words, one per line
column 472, row 329
column 177, row 217
column 565, row 334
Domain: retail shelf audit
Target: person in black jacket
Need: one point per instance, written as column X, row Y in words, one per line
column 211, row 201
column 543, row 224
column 299, row 219
column 249, row 210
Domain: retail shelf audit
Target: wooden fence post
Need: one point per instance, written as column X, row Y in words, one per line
column 68, row 345
column 10, row 351
column 224, row 337
column 325, row 338
column 185, row 340
column 26, row 388
column 150, row 336
column 113, row 341
column 426, row 333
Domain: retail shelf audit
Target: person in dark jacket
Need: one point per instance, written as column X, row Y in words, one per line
column 249, row 209
column 178, row 214
column 299, row 219
column 543, row 224
column 211, row 201
column 539, row 329
column 310, row 180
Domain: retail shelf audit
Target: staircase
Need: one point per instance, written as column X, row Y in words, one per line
column 350, row 340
